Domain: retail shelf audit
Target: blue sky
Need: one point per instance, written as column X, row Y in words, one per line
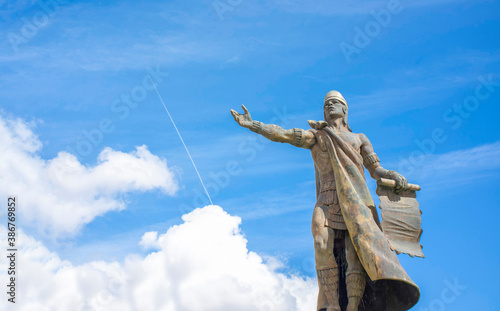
column 423, row 86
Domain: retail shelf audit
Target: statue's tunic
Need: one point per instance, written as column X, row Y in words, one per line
column 340, row 181
column 327, row 198
column 326, row 189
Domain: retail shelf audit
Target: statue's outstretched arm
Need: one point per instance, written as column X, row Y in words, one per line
column 372, row 164
column 296, row 137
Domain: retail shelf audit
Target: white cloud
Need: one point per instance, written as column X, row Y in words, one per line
column 480, row 158
column 103, row 46
column 149, row 241
column 61, row 195
column 202, row 265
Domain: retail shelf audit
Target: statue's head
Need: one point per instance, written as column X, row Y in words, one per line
column 335, row 106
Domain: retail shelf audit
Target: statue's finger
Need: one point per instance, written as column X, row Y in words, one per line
column 398, row 184
column 235, row 115
column 244, row 109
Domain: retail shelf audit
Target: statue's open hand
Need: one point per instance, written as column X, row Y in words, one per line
column 244, row 120
column 401, row 182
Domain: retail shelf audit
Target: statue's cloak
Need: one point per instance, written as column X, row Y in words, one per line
column 390, row 287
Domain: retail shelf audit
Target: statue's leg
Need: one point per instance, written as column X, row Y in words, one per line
column 355, row 276
column 326, row 266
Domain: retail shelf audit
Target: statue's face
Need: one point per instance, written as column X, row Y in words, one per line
column 334, row 108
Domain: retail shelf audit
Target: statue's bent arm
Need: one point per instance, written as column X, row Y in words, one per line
column 297, row 137
column 372, row 164
column 370, row 159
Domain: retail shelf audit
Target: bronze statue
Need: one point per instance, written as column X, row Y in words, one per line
column 356, row 265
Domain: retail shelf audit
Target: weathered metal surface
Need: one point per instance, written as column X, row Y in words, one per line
column 401, row 219
column 373, row 249
column 352, row 253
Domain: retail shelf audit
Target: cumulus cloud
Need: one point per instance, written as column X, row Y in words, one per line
column 61, row 195
column 150, row 241
column 202, row 264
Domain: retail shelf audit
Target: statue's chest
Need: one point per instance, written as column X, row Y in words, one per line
column 322, row 140
column 320, row 156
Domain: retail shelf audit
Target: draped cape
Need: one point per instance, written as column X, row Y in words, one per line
column 391, row 288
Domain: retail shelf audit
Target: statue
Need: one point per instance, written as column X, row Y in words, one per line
column 356, row 266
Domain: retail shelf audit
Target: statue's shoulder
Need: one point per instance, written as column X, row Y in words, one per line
column 317, row 125
column 362, row 137
column 317, row 129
